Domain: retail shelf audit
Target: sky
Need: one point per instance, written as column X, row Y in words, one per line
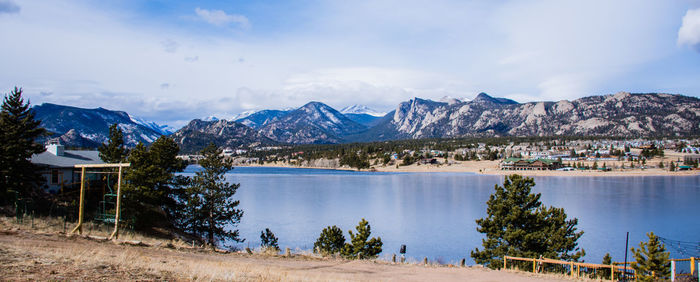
column 173, row 61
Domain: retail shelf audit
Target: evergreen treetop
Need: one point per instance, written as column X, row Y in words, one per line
column 268, row 240
column 17, row 145
column 360, row 243
column 518, row 225
column 114, row 150
column 150, row 182
column 331, row 241
column 209, row 209
column 652, row 260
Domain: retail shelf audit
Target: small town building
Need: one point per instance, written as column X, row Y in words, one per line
column 57, row 165
column 529, row 164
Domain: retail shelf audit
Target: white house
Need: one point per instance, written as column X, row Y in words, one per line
column 57, row 165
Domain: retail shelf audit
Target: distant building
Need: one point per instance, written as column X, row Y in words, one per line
column 691, row 158
column 57, row 164
column 532, row 164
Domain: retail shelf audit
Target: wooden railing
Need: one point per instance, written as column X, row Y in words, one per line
column 693, row 271
column 572, row 267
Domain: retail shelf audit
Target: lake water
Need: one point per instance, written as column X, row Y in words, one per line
column 434, row 213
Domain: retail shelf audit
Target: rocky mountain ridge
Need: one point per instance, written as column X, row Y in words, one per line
column 622, row 114
column 229, row 134
column 91, row 126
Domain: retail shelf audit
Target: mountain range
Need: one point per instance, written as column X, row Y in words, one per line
column 87, row 128
column 621, row 114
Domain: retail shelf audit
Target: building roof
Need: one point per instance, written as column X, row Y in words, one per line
column 69, row 158
column 515, row 160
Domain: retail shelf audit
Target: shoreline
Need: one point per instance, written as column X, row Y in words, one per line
column 491, row 168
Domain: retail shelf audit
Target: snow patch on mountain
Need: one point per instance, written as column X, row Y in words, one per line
column 361, row 109
column 162, row 129
column 210, row 118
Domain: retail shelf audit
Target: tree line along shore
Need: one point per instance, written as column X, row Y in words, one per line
column 580, row 154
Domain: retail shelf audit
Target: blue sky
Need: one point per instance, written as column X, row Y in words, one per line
column 172, row 61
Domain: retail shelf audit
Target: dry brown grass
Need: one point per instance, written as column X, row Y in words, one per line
column 46, row 254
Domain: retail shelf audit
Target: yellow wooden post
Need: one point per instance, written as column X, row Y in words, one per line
column 612, row 272
column 504, row 261
column 571, row 266
column 692, row 265
column 115, row 233
column 578, row 270
column 534, row 263
column 79, row 227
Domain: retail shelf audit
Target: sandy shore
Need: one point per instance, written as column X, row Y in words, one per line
column 28, row 254
column 491, row 168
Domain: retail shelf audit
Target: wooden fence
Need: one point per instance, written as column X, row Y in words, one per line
column 574, row 269
column 693, row 271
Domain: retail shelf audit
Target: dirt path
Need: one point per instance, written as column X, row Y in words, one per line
column 25, row 255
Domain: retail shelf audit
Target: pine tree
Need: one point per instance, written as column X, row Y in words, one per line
column 331, row 241
column 652, row 260
column 114, row 151
column 518, row 225
column 268, row 240
column 359, row 246
column 150, row 181
column 605, row 272
column 19, row 131
column 661, row 165
column 607, row 259
column 672, row 167
column 209, row 200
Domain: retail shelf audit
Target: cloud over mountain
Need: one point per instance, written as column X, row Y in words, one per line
column 689, row 33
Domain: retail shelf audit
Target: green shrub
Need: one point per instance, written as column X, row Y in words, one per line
column 359, row 246
column 268, row 240
column 331, row 241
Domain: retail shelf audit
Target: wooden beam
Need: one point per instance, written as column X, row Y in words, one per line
column 102, row 165
column 79, row 227
column 115, row 233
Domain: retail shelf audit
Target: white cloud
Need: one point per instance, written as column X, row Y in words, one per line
column 689, row 33
column 378, row 53
column 170, row 45
column 374, row 86
column 221, row 18
column 8, row 7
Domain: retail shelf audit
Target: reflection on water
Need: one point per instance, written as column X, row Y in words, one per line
column 434, row 213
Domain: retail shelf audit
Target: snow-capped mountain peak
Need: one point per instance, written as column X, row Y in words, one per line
column 361, row 109
column 162, row 129
column 210, row 118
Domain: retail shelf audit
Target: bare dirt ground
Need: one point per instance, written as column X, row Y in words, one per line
column 30, row 255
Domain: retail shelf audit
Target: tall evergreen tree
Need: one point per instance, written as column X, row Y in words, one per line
column 360, row 243
column 18, row 133
column 518, row 225
column 210, row 207
column 652, row 260
column 150, row 181
column 114, row 150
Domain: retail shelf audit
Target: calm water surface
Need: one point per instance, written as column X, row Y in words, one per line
column 434, row 213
